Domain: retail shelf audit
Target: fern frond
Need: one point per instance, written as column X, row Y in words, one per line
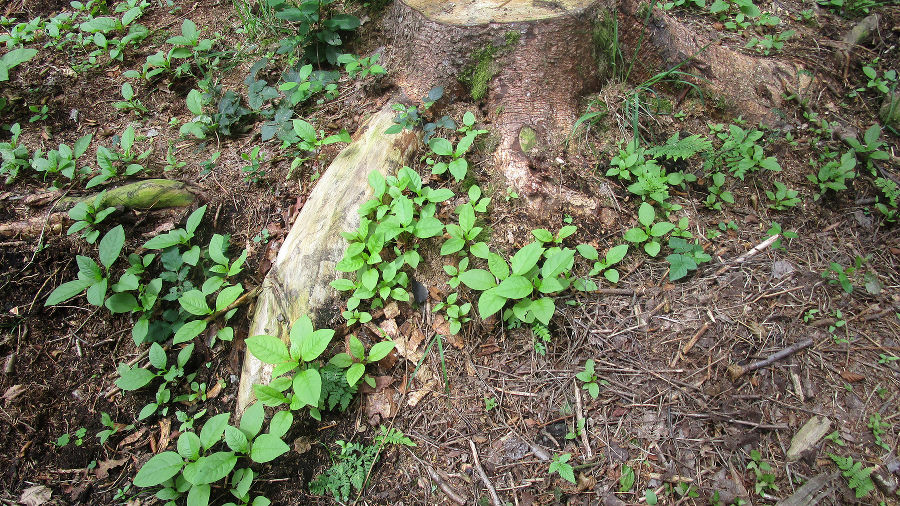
column 676, row 148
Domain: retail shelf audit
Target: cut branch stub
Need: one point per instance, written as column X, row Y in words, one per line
column 298, row 282
column 531, row 60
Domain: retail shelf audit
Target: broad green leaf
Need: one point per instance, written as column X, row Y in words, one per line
column 96, row 293
column 428, row 227
column 542, row 234
column 195, row 102
column 194, row 302
column 281, row 423
column 343, row 284
column 376, row 181
column 680, row 265
column 194, row 220
column 646, row 214
column 489, row 302
column 268, row 349
column 227, row 296
column 587, row 251
column 543, row 309
column 514, row 287
column 498, row 266
column 652, row 248
column 354, row 373
column 452, row 245
column 111, row 245
column 267, row 447
column 216, row 248
column 478, row 279
column 214, row 467
column 526, row 258
column 236, row 439
column 305, row 131
column 558, row 263
column 616, row 254
column 308, row 387
column 268, row 396
column 252, row 420
column 480, row 250
column 157, row 356
column 213, row 430
column 198, row 495
column 313, row 345
column 66, row 291
column 458, row 168
column 189, row 445
column 380, row 350
column 133, row 378
column 662, row 228
column 635, row 235
column 403, row 208
column 466, row 217
column 158, row 469
column 441, row 146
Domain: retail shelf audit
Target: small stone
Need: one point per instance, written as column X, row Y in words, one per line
column 782, row 268
column 152, row 133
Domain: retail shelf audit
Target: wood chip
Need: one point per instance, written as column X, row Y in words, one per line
column 852, row 377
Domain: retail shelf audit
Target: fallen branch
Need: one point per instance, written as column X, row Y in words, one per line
column 579, row 421
column 736, row 371
column 243, row 299
column 746, row 256
column 690, row 344
column 484, row 477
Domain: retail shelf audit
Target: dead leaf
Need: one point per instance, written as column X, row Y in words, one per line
column 389, row 361
column 130, row 440
column 12, row 392
column 416, row 396
column 381, row 405
column 165, row 429
column 102, row 471
column 389, row 327
column 213, row 392
column 391, row 311
column 35, row 496
column 302, row 445
column 852, row 377
column 435, row 293
column 440, row 325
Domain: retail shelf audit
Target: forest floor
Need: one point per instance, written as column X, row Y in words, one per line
column 670, row 419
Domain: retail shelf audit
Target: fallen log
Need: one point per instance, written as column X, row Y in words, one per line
column 298, row 282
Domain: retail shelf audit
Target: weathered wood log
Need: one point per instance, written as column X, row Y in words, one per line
column 147, row 194
column 298, row 282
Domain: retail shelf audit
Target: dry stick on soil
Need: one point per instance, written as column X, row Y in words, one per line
column 579, row 420
column 735, row 371
column 746, row 256
column 484, row 476
column 690, row 344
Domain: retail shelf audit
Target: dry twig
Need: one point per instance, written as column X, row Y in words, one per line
column 484, row 477
column 746, row 256
column 579, row 420
column 735, row 371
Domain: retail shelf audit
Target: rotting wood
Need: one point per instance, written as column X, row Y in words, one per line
column 298, row 282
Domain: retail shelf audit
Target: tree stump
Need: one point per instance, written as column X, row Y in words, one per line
column 531, row 60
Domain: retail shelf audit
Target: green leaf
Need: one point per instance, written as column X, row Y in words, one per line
column 267, row 447
column 514, row 287
column 236, row 439
column 452, row 245
column 635, row 235
column 96, row 293
column 195, row 102
column 133, row 378
column 357, row 349
column 158, row 469
column 194, row 220
column 213, row 430
column 662, row 228
column 227, row 296
column 111, row 246
column 616, row 254
column 680, row 265
column 354, row 373
column 214, row 467
column 558, row 263
column 489, row 302
column 281, row 423
column 526, row 258
column 252, row 420
column 441, row 146
column 194, row 302
column 466, row 217
column 189, row 445
column 66, row 291
column 121, row 303
column 380, row 350
column 308, row 387
column 646, row 214
column 458, row 168
column 198, row 495
column 587, row 251
column 157, row 356
column 268, row 395
column 543, row 309
column 652, row 248
column 216, row 248
column 498, row 266
column 478, row 279
column 268, row 349
column 428, row 227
